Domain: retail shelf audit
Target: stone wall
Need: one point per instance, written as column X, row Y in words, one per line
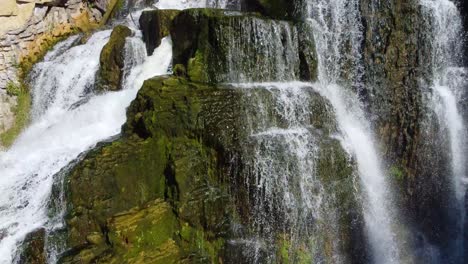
column 29, row 27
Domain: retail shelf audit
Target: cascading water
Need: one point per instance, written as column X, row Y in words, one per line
column 449, row 80
column 338, row 34
column 282, row 151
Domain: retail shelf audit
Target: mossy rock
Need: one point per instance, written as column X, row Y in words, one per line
column 155, row 25
column 112, row 60
column 158, row 194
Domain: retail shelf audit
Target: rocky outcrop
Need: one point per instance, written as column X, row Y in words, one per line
column 173, row 187
column 159, row 194
column 112, row 60
column 155, row 25
column 215, row 46
column 37, row 26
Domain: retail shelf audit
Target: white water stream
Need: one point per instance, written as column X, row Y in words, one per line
column 448, row 88
column 338, row 34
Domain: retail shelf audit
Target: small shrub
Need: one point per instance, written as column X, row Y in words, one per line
column 13, row 89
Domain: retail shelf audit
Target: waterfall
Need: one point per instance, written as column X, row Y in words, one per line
column 258, row 50
column 449, row 80
column 338, row 34
column 68, row 118
column 281, row 150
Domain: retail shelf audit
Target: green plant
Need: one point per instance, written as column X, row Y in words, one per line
column 13, row 89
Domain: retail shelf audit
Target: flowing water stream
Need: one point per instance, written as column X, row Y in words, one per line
column 449, row 80
column 338, row 34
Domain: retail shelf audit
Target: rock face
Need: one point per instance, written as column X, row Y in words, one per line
column 112, row 60
column 215, row 46
column 155, row 25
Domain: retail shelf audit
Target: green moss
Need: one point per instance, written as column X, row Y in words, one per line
column 198, row 245
column 196, row 68
column 283, row 250
column 397, row 173
column 13, row 89
column 179, row 70
column 289, row 253
column 143, row 230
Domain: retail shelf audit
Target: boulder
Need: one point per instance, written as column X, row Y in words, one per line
column 112, row 61
column 173, row 186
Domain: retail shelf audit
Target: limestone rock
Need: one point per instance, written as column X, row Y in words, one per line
column 9, row 8
column 24, row 13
